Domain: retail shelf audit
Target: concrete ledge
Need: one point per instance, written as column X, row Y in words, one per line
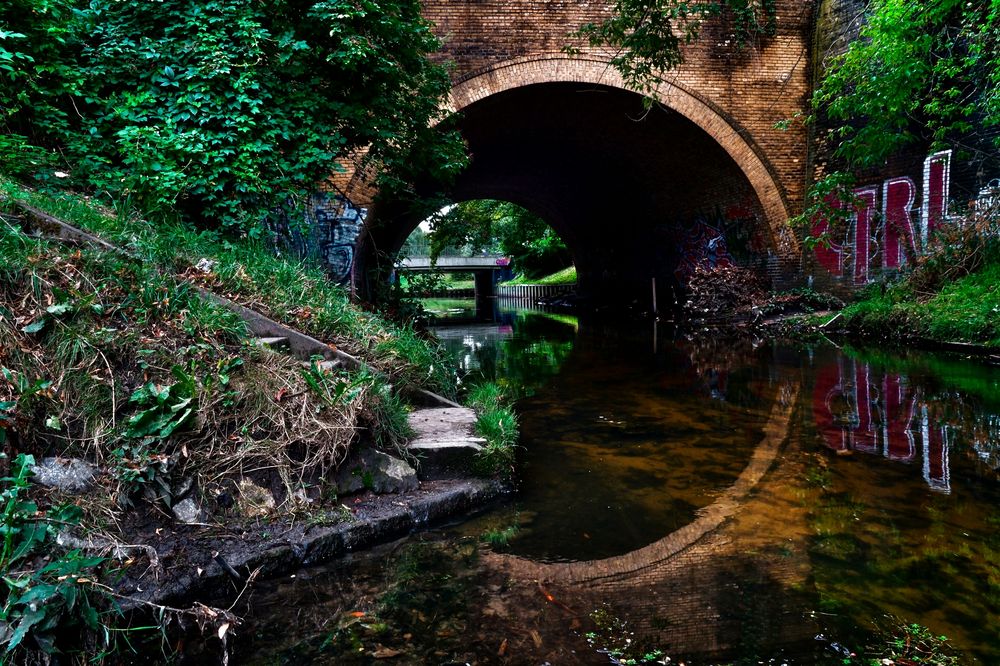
column 47, row 224
column 189, row 574
column 300, row 345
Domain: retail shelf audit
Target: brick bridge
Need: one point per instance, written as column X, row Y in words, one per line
column 704, row 177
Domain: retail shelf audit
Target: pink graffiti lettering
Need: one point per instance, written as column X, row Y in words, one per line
column 864, row 214
column 899, row 195
column 897, row 237
column 829, row 254
column 937, row 178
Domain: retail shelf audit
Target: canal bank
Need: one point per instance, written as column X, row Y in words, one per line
column 171, row 432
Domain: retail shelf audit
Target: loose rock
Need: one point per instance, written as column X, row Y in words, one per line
column 67, row 474
column 187, row 511
column 376, row 471
column 255, row 501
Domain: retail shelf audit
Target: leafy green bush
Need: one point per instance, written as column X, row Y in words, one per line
column 224, row 111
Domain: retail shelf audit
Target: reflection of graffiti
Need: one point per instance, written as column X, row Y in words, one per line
column 329, row 233
column 879, row 415
column 894, row 236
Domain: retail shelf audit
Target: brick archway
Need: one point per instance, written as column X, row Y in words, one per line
column 516, row 73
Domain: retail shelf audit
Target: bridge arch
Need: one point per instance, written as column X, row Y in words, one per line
column 521, row 72
column 673, row 174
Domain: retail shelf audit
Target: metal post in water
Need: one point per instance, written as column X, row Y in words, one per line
column 655, row 311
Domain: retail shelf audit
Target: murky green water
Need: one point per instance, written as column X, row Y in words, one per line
column 715, row 501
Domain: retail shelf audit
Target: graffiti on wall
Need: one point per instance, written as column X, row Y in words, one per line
column 328, row 233
column 700, row 245
column 732, row 237
column 338, row 224
column 744, row 232
column 858, row 409
column 887, row 224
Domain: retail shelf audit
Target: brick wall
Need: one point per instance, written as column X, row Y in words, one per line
column 753, row 89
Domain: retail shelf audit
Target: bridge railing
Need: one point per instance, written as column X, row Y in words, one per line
column 534, row 292
column 489, row 262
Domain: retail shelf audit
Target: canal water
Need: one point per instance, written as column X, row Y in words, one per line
column 700, row 499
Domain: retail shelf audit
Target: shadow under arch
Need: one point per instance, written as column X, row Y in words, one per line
column 520, row 72
column 664, row 186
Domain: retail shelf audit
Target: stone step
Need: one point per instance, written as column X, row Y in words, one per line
column 445, row 441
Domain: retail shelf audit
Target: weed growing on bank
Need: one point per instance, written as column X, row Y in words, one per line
column 497, row 423
column 48, row 600
column 293, row 292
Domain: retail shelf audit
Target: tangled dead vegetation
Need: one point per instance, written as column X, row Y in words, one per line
column 105, row 359
column 724, row 293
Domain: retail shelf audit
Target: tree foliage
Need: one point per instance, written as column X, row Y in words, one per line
column 647, row 35
column 500, row 226
column 225, row 110
column 920, row 72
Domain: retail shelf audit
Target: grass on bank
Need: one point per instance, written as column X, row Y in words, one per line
column 951, row 295
column 118, row 360
column 293, row 292
column 497, row 424
column 566, row 276
column 108, row 359
column 102, row 357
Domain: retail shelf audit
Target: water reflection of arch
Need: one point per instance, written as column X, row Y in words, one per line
column 710, row 518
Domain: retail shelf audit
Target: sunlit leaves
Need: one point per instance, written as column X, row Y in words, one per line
column 646, row 36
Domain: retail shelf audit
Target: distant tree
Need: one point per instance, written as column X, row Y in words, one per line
column 503, row 227
column 417, row 244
